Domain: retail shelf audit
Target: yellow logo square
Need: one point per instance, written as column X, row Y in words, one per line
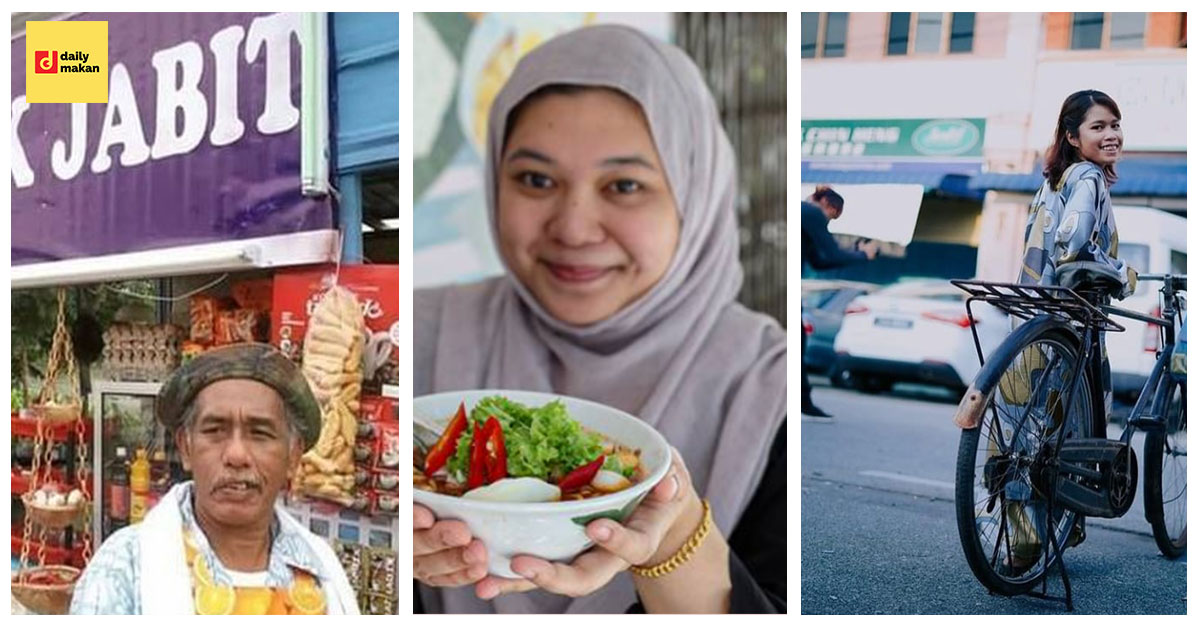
column 66, row 62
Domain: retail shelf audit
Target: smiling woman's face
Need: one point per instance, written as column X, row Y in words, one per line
column 1100, row 136
column 587, row 221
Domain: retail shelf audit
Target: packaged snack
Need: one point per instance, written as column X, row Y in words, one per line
column 350, row 555
column 236, row 326
column 387, row 480
column 203, row 318
column 332, row 365
column 381, row 571
column 378, row 605
column 222, row 335
column 385, row 502
column 379, row 538
column 254, row 294
column 348, row 533
column 376, row 288
column 377, row 409
column 363, row 477
column 387, row 446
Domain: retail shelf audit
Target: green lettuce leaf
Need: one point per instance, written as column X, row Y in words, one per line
column 542, row 442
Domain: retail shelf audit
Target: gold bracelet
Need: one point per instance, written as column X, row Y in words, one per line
column 684, row 554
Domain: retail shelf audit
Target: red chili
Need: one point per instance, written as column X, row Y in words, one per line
column 497, row 456
column 581, row 476
column 441, row 452
column 489, row 460
column 476, row 474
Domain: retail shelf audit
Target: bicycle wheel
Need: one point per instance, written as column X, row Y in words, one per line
column 1003, row 475
column 1165, row 457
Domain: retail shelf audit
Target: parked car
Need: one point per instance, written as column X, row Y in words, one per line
column 915, row 331
column 822, row 305
column 1151, row 241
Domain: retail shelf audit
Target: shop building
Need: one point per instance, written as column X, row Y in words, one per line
column 243, row 164
column 896, row 98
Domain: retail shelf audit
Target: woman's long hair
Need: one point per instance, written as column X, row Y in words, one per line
column 1061, row 153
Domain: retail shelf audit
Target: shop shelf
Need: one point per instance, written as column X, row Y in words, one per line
column 54, row 555
column 28, row 428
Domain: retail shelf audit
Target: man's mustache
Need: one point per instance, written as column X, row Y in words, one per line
column 237, row 482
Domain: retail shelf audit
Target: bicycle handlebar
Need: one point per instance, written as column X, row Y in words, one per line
column 1171, row 283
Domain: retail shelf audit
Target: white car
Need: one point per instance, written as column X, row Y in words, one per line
column 915, row 331
column 1151, row 241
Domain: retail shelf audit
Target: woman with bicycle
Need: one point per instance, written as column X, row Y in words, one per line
column 1071, row 241
column 1071, row 235
column 1033, row 458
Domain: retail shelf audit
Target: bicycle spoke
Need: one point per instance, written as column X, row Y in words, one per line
column 996, row 434
column 1174, row 486
column 1003, row 535
column 1026, row 409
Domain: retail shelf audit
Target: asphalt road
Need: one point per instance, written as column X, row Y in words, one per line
column 878, row 532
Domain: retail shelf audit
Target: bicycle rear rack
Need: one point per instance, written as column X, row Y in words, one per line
column 1028, row 300
column 1025, row 301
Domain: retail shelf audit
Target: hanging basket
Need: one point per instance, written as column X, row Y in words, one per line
column 47, row 590
column 51, row 516
column 50, row 407
column 55, row 414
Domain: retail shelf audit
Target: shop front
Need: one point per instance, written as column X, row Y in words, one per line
column 879, row 163
column 198, row 208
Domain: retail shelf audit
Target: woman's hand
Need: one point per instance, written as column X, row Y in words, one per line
column 658, row 527
column 444, row 554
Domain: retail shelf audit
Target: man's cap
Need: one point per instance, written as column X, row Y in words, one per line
column 255, row 361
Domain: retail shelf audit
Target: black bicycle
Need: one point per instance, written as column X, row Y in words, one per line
column 1033, row 458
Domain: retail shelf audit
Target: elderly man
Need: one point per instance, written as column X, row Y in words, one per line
column 241, row 416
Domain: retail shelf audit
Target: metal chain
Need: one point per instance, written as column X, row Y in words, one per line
column 61, row 352
column 47, row 474
column 47, row 454
column 62, row 338
column 42, row 546
column 52, row 361
column 26, row 538
column 41, row 473
column 81, row 466
column 23, row 568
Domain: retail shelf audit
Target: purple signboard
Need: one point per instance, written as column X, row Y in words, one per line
column 199, row 141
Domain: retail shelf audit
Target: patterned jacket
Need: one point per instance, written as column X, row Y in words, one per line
column 1071, row 234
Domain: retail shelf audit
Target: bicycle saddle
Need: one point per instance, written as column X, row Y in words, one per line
column 1090, row 277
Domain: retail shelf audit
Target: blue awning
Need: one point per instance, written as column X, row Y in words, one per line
column 1138, row 176
column 927, row 179
column 951, row 179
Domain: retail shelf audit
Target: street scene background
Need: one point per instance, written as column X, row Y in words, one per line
column 933, row 127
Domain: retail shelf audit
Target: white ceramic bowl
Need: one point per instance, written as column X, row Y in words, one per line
column 553, row 531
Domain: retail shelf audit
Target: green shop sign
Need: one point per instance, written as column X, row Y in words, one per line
column 913, row 138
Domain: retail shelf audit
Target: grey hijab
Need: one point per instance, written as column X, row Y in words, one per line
column 709, row 374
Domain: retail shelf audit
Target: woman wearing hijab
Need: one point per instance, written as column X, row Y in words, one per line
column 611, row 188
